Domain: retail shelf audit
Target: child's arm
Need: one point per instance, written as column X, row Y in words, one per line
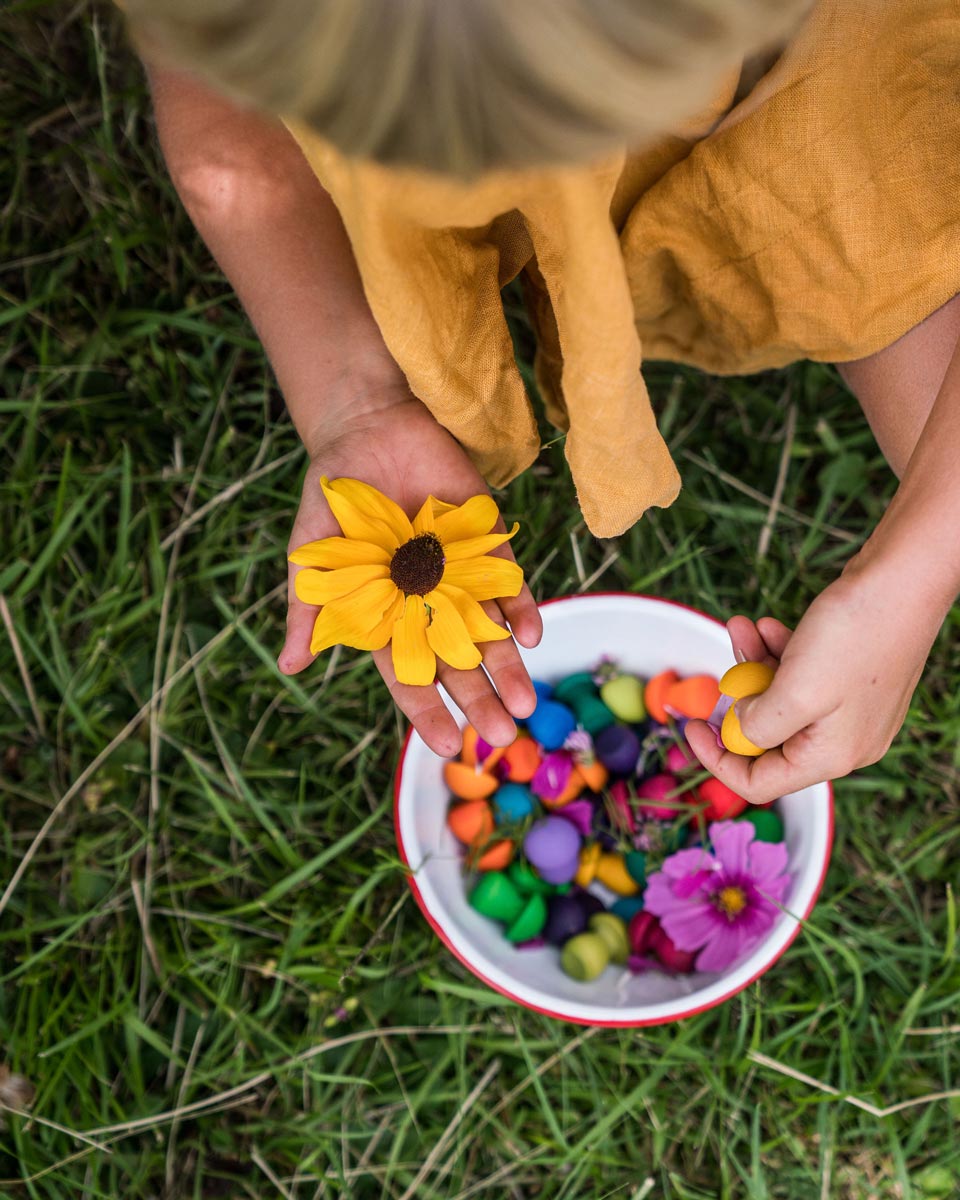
column 847, row 674
column 279, row 239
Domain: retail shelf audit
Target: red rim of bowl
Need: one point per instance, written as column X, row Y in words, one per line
column 548, row 1012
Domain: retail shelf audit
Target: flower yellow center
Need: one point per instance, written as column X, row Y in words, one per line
column 731, row 900
column 417, row 566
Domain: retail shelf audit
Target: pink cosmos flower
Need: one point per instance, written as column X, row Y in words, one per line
column 722, row 903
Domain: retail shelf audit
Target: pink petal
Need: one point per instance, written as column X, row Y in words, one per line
column 688, row 862
column 774, row 890
column 693, row 926
column 658, row 897
column 723, row 949
column 767, row 859
column 691, row 884
column 730, row 841
column 756, row 920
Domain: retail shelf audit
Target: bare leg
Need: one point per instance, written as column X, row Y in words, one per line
column 897, row 386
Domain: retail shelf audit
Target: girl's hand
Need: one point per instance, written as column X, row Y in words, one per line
column 843, row 685
column 398, row 447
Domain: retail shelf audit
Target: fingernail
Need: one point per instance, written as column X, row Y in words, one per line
column 532, row 633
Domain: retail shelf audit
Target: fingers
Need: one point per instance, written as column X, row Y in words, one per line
column 761, row 641
column 492, row 695
column 748, row 645
column 295, row 653
column 521, row 610
column 788, row 768
column 781, row 712
column 508, row 675
column 313, row 521
column 770, row 718
column 487, row 696
column 474, row 695
column 422, row 707
column 524, row 619
column 775, row 635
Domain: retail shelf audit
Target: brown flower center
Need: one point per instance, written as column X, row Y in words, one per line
column 417, row 566
column 731, row 900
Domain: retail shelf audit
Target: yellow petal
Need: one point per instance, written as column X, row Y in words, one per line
column 413, row 660
column 478, row 515
column 447, row 635
column 441, row 506
column 335, row 552
column 357, row 525
column 480, row 627
column 485, row 578
column 423, row 521
column 321, row 587
column 374, row 505
column 382, row 632
column 356, row 619
column 472, row 547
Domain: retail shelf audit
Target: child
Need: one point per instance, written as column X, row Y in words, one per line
column 815, row 218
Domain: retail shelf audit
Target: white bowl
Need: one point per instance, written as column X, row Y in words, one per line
column 644, row 635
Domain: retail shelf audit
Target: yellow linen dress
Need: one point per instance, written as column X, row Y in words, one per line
column 820, row 218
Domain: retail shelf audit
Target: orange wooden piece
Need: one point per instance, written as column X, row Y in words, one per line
column 655, row 693
column 471, row 822
column 595, row 775
column 496, row 858
column 470, row 737
column 695, row 696
column 522, row 758
column 467, row 782
column 468, row 753
column 494, row 757
column 575, row 785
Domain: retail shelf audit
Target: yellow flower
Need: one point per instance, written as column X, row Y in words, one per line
column 418, row 583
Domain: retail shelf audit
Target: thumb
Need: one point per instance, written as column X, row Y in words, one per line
column 296, row 653
column 773, row 716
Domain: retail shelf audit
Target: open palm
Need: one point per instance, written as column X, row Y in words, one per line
column 406, row 454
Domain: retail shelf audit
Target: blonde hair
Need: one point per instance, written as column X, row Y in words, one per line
column 465, row 86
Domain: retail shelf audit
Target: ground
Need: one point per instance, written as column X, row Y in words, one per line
column 213, row 972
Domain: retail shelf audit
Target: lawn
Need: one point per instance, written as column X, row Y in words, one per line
column 213, row 972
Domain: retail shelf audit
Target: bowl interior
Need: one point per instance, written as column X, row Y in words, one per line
column 644, row 635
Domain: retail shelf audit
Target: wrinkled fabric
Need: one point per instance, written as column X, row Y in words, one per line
column 818, row 219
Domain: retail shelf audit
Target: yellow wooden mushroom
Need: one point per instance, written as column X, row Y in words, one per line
column 744, row 679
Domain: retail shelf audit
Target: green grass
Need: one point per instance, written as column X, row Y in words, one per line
column 213, row 973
